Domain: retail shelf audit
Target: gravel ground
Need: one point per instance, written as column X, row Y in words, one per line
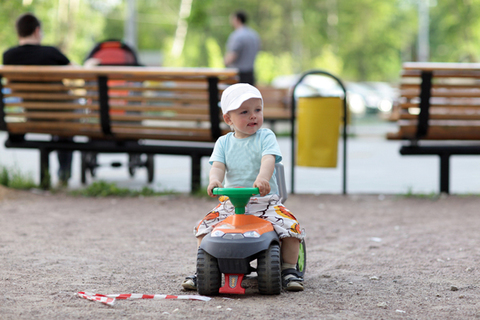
column 368, row 257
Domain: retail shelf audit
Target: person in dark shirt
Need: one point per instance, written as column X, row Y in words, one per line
column 30, row 52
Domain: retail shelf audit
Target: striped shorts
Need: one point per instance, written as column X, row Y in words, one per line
column 269, row 208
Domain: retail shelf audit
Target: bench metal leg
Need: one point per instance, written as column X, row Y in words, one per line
column 44, row 168
column 444, row 173
column 196, row 172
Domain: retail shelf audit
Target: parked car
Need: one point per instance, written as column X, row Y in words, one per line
column 323, row 86
column 388, row 94
column 362, row 97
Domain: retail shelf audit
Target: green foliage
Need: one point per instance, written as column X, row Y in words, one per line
column 105, row 189
column 214, row 53
column 15, row 179
column 4, row 177
column 201, row 193
column 269, row 66
column 431, row 196
column 455, row 31
column 356, row 40
column 330, row 59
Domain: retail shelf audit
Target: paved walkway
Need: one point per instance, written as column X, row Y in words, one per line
column 374, row 165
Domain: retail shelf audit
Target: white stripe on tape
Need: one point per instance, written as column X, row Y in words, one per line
column 109, row 299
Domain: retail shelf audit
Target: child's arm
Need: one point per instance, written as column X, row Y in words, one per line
column 266, row 171
column 217, row 173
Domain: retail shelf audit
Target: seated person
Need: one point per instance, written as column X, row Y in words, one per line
column 30, row 52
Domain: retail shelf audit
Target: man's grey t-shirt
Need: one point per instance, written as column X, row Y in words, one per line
column 245, row 42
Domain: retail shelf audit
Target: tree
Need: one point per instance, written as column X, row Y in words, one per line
column 356, row 40
column 455, row 31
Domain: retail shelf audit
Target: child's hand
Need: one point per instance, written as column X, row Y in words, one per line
column 263, row 186
column 211, row 185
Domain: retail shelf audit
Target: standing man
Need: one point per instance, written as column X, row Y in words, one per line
column 242, row 47
column 30, row 52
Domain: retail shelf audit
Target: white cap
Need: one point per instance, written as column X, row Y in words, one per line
column 236, row 94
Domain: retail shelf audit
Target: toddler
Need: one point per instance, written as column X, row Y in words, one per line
column 246, row 157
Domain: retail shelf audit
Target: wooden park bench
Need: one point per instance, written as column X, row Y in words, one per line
column 277, row 103
column 439, row 112
column 135, row 110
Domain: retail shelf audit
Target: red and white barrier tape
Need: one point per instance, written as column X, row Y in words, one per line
column 109, row 299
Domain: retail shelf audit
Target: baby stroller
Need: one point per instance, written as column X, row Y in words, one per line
column 115, row 53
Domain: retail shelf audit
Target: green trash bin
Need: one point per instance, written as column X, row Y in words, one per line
column 318, row 121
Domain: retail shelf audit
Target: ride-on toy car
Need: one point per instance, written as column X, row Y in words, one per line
column 234, row 243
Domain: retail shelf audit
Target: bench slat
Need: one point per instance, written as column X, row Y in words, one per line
column 439, row 108
column 113, row 116
column 450, row 86
column 406, row 116
column 444, row 94
column 171, row 109
column 44, row 126
column 53, row 115
column 114, row 96
column 178, row 99
column 16, row 87
column 52, row 105
column 276, row 103
column 439, row 133
column 176, row 117
column 47, row 96
column 122, row 131
column 440, row 75
column 277, row 114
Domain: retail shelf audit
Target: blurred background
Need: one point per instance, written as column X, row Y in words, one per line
column 363, row 42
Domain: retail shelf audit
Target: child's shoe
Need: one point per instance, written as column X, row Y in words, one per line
column 190, row 283
column 291, row 280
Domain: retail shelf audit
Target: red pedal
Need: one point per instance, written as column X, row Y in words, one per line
column 233, row 284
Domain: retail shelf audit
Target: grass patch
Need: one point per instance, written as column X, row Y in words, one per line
column 15, row 179
column 283, row 134
column 201, row 193
column 105, row 189
column 410, row 194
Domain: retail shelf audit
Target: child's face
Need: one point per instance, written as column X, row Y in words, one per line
column 247, row 119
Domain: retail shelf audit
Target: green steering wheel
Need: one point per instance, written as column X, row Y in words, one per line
column 238, row 196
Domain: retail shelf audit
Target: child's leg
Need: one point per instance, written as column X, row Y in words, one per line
column 190, row 282
column 288, row 229
column 199, row 240
column 292, row 281
column 290, row 249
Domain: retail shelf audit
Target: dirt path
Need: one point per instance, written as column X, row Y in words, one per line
column 368, row 257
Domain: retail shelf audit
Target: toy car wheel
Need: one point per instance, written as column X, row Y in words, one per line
column 302, row 258
column 150, row 168
column 209, row 277
column 269, row 271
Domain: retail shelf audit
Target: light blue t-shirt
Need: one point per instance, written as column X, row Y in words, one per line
column 243, row 157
